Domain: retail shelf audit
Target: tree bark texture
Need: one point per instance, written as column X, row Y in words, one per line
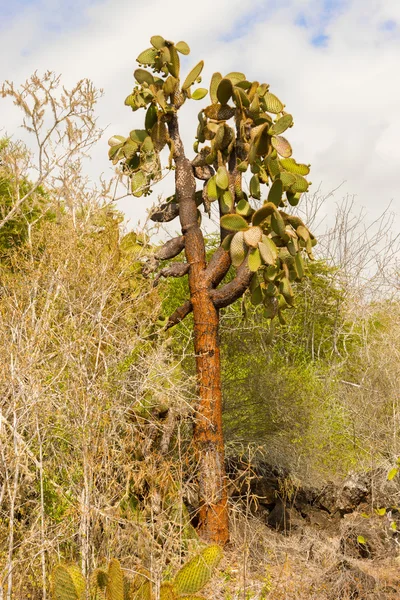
column 208, row 435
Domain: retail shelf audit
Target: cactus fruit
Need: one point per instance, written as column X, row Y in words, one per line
column 197, row 571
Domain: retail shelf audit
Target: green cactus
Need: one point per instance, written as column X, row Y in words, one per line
column 194, row 575
column 167, row 591
column 68, row 583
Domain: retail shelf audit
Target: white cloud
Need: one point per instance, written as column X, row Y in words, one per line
column 344, row 95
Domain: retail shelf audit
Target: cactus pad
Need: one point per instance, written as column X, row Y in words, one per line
column 167, row 591
column 68, row 583
column 197, row 572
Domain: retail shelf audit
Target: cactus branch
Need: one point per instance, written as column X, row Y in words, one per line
column 234, row 289
column 171, row 248
column 179, row 314
column 165, row 212
column 174, row 270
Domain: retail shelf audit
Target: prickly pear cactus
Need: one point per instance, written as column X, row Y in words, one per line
column 141, row 587
column 68, row 583
column 241, row 131
column 194, row 575
column 115, row 581
column 168, row 591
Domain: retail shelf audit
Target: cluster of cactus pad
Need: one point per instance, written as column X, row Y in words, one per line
column 68, row 582
column 239, row 131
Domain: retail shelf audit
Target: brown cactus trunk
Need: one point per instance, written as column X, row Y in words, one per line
column 208, row 436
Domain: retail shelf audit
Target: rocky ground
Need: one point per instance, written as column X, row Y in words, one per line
column 301, row 542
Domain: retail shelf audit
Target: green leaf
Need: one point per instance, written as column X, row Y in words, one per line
column 237, row 249
column 215, row 79
column 138, row 135
column 226, row 242
column 292, row 198
column 255, row 187
column 222, row 178
column 300, row 185
column 361, row 540
column 298, row 261
column 393, row 526
column 256, row 297
column 240, row 98
column 275, row 193
column 183, row 48
column 243, row 166
column 254, row 259
column 157, row 41
column 199, row 94
column 392, row 473
column 211, row 188
column 272, row 103
column 159, row 135
column 243, row 208
column 224, row 90
column 253, row 236
column 281, row 125
column 268, row 250
column 169, row 85
column 289, row 164
column 151, row 117
column 282, row 146
column 115, row 581
column 193, row 75
column 234, row 223
column 235, row 77
column 380, row 511
column 147, row 57
column 174, row 63
column 226, row 202
column 138, row 184
column 143, row 76
column 262, row 213
column 116, row 140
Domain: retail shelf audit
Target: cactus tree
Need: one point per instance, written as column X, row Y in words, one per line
column 239, row 137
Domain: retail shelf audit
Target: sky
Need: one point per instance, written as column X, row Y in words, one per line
column 334, row 63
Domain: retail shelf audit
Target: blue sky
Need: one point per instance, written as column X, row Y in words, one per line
column 332, row 62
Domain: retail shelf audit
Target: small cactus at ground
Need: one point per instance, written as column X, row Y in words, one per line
column 194, row 575
column 68, row 583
